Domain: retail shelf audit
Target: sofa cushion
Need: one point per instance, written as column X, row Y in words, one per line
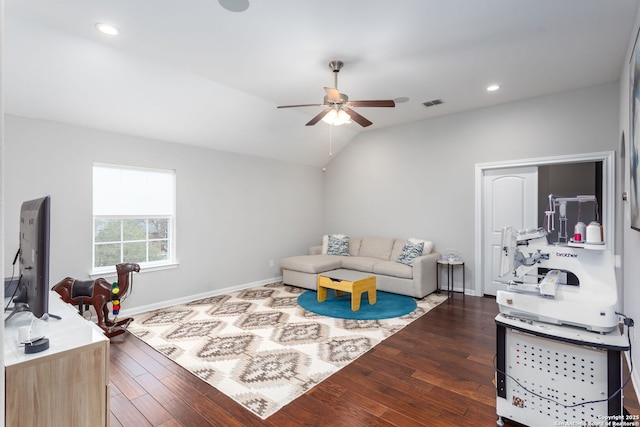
column 311, row 263
column 315, row 250
column 409, row 252
column 398, row 245
column 359, row 263
column 354, row 246
column 338, row 245
column 376, row 247
column 392, row 268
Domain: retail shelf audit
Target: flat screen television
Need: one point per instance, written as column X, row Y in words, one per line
column 32, row 293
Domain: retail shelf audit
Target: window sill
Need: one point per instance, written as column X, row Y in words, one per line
column 111, row 272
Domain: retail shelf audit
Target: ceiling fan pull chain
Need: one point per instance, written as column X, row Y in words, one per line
column 330, row 140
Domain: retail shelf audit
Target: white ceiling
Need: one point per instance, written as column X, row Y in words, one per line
column 193, row 72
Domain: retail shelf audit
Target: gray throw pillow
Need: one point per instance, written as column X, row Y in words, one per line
column 338, row 245
column 409, row 252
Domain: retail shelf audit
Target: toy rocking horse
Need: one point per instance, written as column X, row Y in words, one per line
column 98, row 293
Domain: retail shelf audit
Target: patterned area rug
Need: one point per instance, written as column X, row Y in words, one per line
column 259, row 347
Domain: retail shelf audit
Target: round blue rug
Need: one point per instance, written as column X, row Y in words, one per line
column 387, row 305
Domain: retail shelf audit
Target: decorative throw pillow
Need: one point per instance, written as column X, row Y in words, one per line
column 338, row 245
column 428, row 245
column 325, row 241
column 409, row 252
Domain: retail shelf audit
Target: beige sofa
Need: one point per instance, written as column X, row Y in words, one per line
column 375, row 255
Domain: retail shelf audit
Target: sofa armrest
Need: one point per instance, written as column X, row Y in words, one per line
column 425, row 273
column 315, row 250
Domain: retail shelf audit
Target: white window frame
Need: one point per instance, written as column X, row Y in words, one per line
column 170, row 262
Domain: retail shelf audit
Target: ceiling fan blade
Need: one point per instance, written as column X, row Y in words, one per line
column 373, row 103
column 357, row 118
column 301, row 105
column 333, row 95
column 318, row 117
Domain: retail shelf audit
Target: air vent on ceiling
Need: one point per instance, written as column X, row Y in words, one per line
column 433, row 102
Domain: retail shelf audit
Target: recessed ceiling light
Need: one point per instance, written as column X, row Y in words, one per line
column 107, row 29
column 493, row 88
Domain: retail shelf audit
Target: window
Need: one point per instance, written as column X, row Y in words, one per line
column 133, row 216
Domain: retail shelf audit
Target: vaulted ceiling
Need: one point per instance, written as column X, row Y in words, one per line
column 194, row 72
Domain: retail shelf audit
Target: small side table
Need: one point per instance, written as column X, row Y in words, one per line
column 450, row 268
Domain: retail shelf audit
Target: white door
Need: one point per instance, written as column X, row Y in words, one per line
column 509, row 198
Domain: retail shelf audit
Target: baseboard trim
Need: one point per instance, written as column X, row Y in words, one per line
column 635, row 376
column 189, row 298
column 467, row 291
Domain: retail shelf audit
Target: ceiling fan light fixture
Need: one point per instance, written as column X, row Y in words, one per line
column 336, row 117
column 339, row 109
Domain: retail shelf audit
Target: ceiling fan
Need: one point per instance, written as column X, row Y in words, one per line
column 338, row 109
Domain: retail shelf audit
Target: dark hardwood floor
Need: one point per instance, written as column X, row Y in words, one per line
column 437, row 371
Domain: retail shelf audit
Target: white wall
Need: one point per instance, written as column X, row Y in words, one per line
column 2, row 179
column 417, row 180
column 630, row 237
column 235, row 213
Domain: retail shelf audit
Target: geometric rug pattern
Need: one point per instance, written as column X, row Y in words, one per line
column 259, row 347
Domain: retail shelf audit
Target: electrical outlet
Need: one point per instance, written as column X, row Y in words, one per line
column 271, row 264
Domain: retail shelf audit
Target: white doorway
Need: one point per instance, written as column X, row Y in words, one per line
column 483, row 263
column 512, row 198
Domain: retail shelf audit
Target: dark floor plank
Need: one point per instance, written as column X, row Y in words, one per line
column 155, row 388
column 126, row 412
column 152, row 410
column 114, row 421
column 126, row 384
column 187, row 416
column 147, row 359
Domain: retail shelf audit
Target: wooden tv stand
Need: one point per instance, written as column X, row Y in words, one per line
column 65, row 385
